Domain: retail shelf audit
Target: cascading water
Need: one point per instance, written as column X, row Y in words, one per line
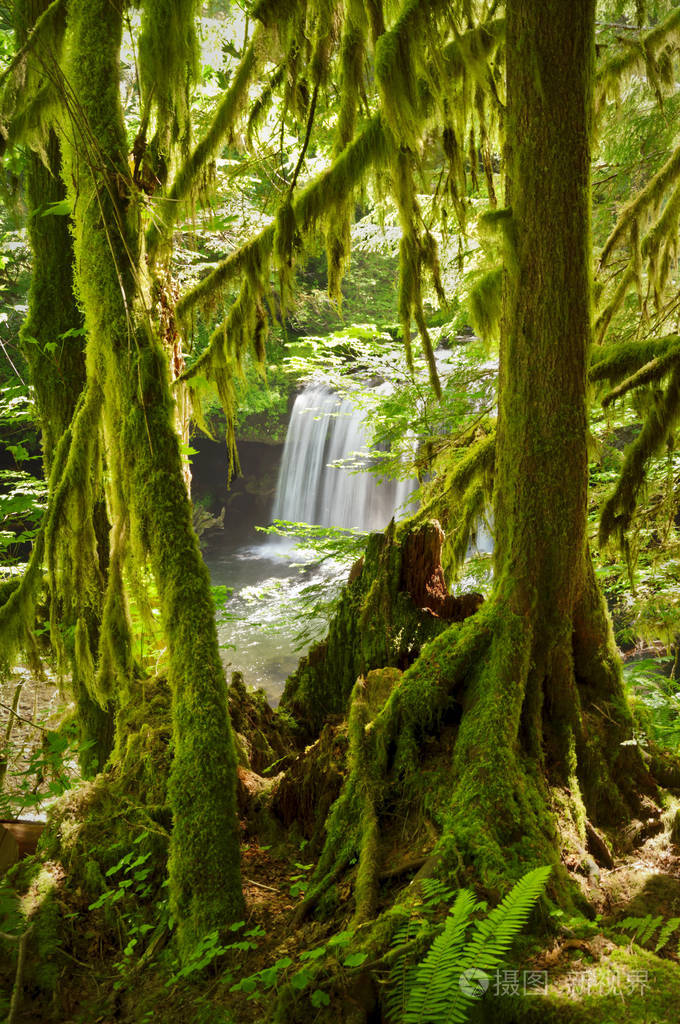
column 324, row 429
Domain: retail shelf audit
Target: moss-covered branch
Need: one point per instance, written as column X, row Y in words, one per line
column 647, row 198
column 619, row 507
column 368, row 150
column 654, row 370
column 636, row 55
column 614, row 363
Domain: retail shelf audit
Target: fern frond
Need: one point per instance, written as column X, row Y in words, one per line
column 437, row 996
column 403, row 968
column 670, row 926
column 429, row 995
column 645, row 934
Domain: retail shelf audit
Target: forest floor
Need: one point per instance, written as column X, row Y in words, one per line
column 591, row 972
column 620, row 965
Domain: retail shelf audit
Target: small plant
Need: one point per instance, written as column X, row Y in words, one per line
column 653, row 932
column 660, row 697
column 441, row 988
column 46, row 772
column 304, row 973
column 138, row 904
column 211, row 947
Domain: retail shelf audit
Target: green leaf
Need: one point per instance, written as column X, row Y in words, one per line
column 62, row 208
column 301, row 979
column 354, row 959
column 313, row 954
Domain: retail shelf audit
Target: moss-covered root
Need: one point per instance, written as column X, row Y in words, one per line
column 389, row 715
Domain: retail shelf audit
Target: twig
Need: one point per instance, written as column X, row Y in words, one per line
column 15, row 1004
column 21, row 718
column 4, row 758
column 260, row 885
column 305, row 144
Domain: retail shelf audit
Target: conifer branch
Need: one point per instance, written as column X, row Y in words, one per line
column 614, row 363
column 635, row 56
column 649, row 196
column 620, row 506
column 654, row 370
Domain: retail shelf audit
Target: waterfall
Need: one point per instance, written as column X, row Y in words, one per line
column 324, row 428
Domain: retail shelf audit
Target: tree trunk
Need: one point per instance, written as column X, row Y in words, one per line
column 547, row 708
column 54, row 350
column 149, row 503
column 532, row 682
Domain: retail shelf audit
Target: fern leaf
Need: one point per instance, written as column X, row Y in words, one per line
column 646, row 933
column 401, row 974
column 445, row 1001
column 433, row 976
column 666, row 932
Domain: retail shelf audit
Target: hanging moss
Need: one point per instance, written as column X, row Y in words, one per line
column 648, row 197
column 413, row 257
column 461, row 489
column 397, row 72
column 168, row 63
column 619, row 507
column 190, row 172
column 352, row 78
column 613, row 72
column 485, row 305
column 29, row 95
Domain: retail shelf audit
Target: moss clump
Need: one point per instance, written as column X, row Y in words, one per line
column 265, row 737
column 627, row 985
column 383, row 620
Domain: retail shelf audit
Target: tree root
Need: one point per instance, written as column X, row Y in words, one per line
column 383, row 740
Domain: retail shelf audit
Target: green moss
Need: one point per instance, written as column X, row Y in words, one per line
column 168, row 61
column 149, row 503
column 189, row 175
column 485, row 305
column 376, row 626
column 627, row 985
column 41, row 908
column 618, row 510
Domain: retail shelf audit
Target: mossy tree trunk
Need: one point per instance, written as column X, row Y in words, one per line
column 547, row 706
column 52, row 342
column 532, row 682
column 151, row 514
